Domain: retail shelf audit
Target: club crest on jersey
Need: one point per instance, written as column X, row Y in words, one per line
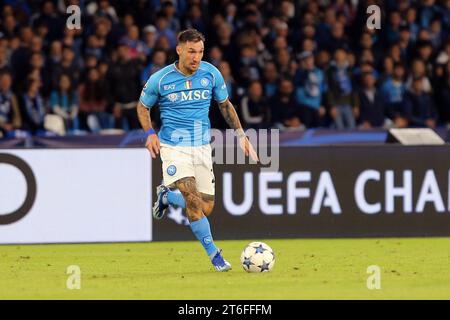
column 188, row 84
column 171, row 170
column 173, row 97
column 204, row 82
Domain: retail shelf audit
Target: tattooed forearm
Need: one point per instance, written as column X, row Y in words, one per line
column 231, row 117
column 144, row 116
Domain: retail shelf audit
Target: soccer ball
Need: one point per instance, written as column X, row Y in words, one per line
column 257, row 257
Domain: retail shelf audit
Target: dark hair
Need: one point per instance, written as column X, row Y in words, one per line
column 190, row 35
column 399, row 65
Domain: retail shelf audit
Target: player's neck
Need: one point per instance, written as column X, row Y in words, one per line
column 182, row 70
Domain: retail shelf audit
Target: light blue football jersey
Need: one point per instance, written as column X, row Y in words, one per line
column 184, row 102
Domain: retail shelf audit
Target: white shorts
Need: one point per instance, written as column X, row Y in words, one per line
column 180, row 162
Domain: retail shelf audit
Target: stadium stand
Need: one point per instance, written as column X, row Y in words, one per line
column 292, row 65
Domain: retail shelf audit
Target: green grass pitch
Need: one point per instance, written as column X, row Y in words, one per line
column 411, row 268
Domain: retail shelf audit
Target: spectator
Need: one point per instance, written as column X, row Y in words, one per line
column 419, row 106
column 392, row 33
column 388, row 70
column 49, row 17
column 437, row 35
column 248, row 66
column 195, row 19
column 93, row 47
column 9, row 26
column 395, row 52
column 366, row 44
column 324, row 28
column 234, row 93
column 64, row 102
column 270, row 79
column 338, row 38
column 394, row 90
column 372, row 103
column 225, row 70
column 286, row 66
column 29, row 44
column 66, row 66
column 424, row 53
column 36, row 64
column 255, row 110
column 215, row 56
column 310, row 87
column 159, row 61
column 418, row 71
column 411, row 18
column 149, row 39
column 104, row 36
column 225, row 43
column 428, row 10
column 73, row 40
column 285, row 111
column 32, row 108
column 163, row 44
column 124, row 81
column 170, row 11
column 136, row 48
column 163, row 29
column 341, row 96
column 102, row 8
column 10, row 117
column 93, row 115
column 405, row 42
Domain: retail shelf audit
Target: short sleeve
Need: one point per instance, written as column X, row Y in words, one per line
column 150, row 92
column 220, row 92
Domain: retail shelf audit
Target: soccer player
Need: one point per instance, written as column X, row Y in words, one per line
column 184, row 91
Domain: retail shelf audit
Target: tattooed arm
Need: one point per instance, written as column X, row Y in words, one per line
column 152, row 143
column 231, row 117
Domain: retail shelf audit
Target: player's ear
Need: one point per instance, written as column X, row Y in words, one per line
column 178, row 48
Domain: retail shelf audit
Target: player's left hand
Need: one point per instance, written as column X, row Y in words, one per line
column 248, row 149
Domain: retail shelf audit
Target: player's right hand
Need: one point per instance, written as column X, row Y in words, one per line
column 152, row 144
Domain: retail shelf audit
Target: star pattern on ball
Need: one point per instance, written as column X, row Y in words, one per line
column 264, row 266
column 247, row 262
column 259, row 249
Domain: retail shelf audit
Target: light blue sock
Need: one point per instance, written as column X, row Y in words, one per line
column 202, row 231
column 176, row 199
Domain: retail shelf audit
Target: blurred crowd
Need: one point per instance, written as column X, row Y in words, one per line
column 287, row 64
